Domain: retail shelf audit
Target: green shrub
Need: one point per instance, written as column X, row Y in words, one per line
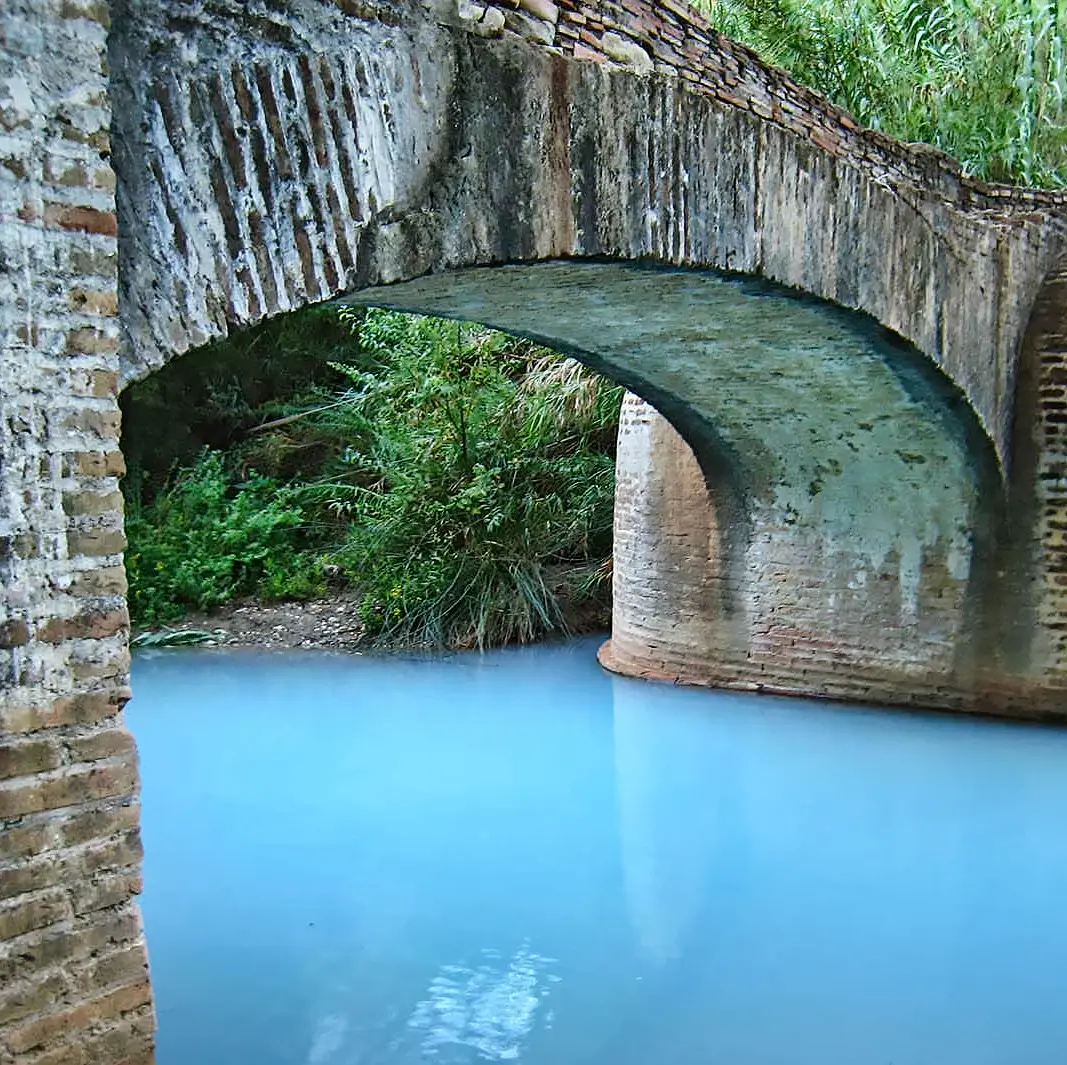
column 201, row 542
column 461, row 480
column 478, row 487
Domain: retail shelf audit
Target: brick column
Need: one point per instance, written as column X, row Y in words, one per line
column 73, row 971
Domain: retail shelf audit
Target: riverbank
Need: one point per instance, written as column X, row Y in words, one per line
column 329, row 623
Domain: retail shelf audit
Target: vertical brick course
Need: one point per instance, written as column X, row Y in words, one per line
column 73, row 971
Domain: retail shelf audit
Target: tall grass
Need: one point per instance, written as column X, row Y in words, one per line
column 477, row 486
column 984, row 80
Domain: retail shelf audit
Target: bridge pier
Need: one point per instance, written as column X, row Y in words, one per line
column 774, row 600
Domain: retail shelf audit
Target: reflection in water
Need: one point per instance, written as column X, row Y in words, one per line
column 491, row 1009
column 328, row 1039
column 666, row 824
column 672, row 876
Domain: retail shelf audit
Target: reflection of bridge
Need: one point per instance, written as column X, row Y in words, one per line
column 815, row 885
column 865, row 514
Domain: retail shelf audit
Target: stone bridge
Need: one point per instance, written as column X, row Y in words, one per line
column 856, row 484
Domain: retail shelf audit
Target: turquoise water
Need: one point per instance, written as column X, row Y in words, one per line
column 516, row 857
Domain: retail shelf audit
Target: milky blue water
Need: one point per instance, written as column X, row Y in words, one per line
column 516, row 857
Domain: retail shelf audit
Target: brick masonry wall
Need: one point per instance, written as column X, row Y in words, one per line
column 1039, row 478
column 73, row 974
column 841, row 534
column 791, row 613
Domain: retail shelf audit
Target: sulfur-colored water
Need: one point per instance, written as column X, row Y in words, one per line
column 516, row 857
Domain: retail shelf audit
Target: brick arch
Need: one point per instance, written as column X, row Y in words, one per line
column 269, row 159
column 275, row 153
column 825, row 514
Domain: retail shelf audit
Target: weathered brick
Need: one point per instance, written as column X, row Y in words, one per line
column 96, row 542
column 15, row 166
column 82, row 708
column 93, row 261
column 108, row 743
column 128, row 1043
column 89, row 340
column 22, row 757
column 80, row 866
column 39, row 951
column 89, row 625
column 104, row 178
column 119, row 968
column 103, row 823
column 66, row 172
column 93, row 301
column 77, row 503
column 82, row 219
column 93, row 10
column 103, row 423
column 68, row 1023
column 71, row 787
column 25, row 998
column 28, row 914
column 106, row 892
column 104, row 383
column 112, row 667
column 95, row 464
column 14, row 633
column 108, row 581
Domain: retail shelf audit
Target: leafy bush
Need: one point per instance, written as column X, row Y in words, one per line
column 983, row 80
column 214, row 396
column 460, row 479
column 201, row 542
column 479, row 487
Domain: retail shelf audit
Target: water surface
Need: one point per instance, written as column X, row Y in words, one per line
column 517, row 857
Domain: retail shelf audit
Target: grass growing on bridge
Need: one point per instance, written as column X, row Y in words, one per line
column 984, row 80
column 461, row 480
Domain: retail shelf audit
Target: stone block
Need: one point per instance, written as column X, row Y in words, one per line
column 24, row 915
column 91, row 624
column 96, row 542
column 106, row 581
column 81, row 708
column 78, row 503
column 14, row 633
column 82, row 219
column 112, row 742
column 20, row 757
column 67, row 787
column 95, row 464
column 62, row 1026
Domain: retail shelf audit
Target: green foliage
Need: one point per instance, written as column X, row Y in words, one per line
column 461, row 479
column 984, row 80
column 478, row 483
column 214, row 396
column 201, row 542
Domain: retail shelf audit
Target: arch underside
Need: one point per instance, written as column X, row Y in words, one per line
column 832, row 529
